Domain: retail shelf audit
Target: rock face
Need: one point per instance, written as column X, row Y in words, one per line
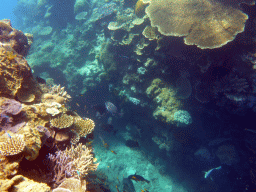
column 16, row 75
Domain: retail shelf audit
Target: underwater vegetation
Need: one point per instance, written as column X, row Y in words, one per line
column 142, row 95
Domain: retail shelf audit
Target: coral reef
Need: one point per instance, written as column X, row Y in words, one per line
column 76, row 161
column 19, row 184
column 12, row 144
column 62, row 122
column 32, row 116
column 165, row 99
column 71, row 184
column 83, row 127
column 207, row 24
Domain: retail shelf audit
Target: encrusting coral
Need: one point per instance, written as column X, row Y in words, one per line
column 15, row 73
column 165, row 98
column 205, row 23
column 20, row 184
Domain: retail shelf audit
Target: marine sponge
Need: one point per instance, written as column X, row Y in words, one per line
column 12, row 145
column 62, row 122
column 205, row 23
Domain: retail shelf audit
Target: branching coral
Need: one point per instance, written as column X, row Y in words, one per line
column 12, row 145
column 205, row 23
column 73, row 162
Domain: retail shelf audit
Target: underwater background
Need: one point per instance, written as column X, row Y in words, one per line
column 128, row 95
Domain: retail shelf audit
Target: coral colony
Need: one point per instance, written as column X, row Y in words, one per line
column 129, row 96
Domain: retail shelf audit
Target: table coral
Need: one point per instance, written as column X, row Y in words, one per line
column 83, row 126
column 62, row 122
column 205, row 23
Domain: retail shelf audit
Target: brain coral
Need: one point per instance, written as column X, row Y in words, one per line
column 205, row 23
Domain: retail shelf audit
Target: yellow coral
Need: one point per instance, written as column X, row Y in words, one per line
column 83, row 127
column 140, row 8
column 32, row 141
column 63, row 121
column 10, row 56
column 165, row 98
column 205, row 23
column 12, row 145
column 83, row 160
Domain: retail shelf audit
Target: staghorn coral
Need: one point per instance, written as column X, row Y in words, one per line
column 12, row 144
column 54, row 93
column 205, row 23
column 76, row 161
column 60, row 91
column 62, row 122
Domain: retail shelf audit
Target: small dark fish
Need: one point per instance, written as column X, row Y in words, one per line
column 124, row 56
column 137, row 178
column 114, row 152
column 40, row 80
column 132, row 144
column 109, row 128
column 128, row 185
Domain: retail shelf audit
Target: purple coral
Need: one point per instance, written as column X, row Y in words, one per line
column 11, row 107
column 61, row 164
column 46, row 133
column 8, row 108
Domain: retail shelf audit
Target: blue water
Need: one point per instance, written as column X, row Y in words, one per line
column 7, row 11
